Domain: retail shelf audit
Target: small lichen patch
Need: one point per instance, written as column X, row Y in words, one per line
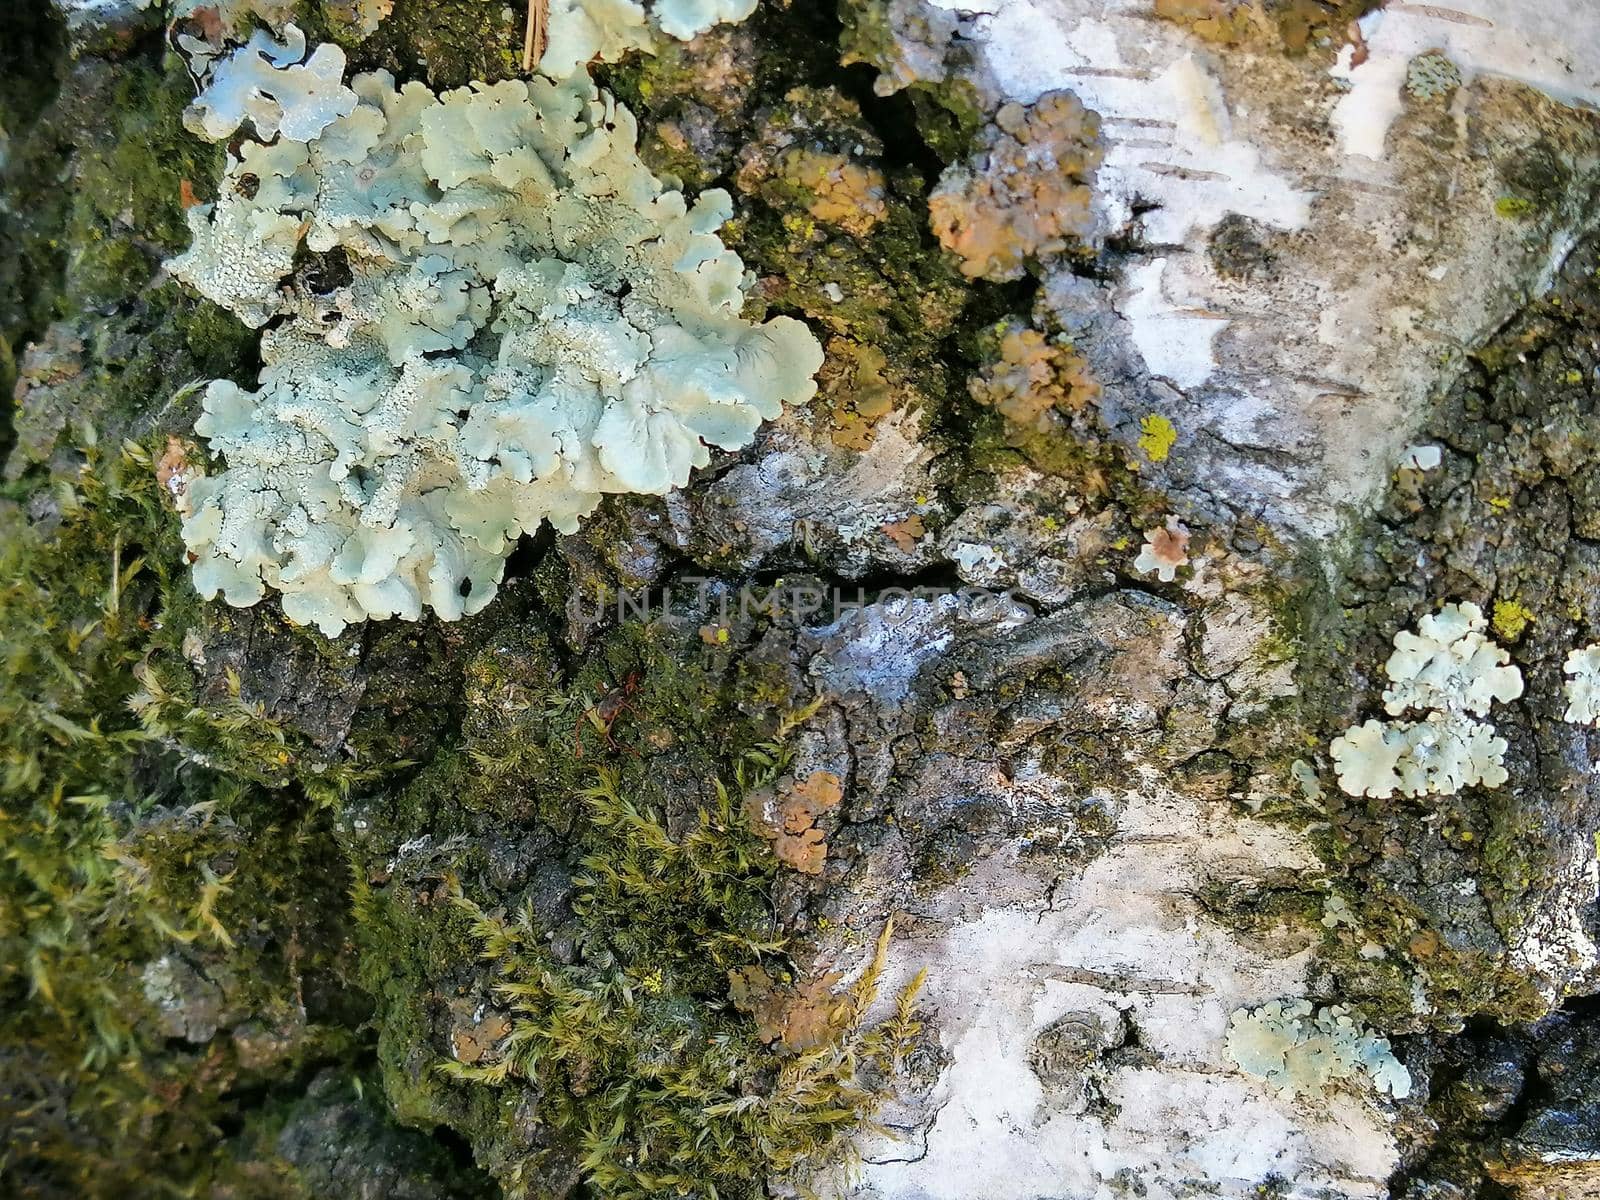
column 1026, row 191
column 1439, row 755
column 786, row 814
column 1450, row 667
column 906, row 533
column 1302, row 1051
column 1165, row 551
column 1511, row 618
column 179, row 466
column 801, row 1017
column 1034, row 377
column 846, row 193
column 361, row 16
column 859, row 391
column 1292, row 26
column 1582, row 687
column 1514, row 208
column 1157, row 437
column 1432, row 76
column 1449, row 664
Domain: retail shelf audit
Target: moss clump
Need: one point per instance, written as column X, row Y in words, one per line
column 593, row 995
column 129, row 185
column 640, row 1048
column 117, row 849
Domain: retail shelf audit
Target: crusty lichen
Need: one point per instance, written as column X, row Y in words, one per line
column 1026, row 191
column 504, row 316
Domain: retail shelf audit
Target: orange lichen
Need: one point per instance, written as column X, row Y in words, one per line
column 1025, row 192
column 905, row 534
column 859, row 392
column 844, row 193
column 786, row 815
column 801, row 1017
column 1165, row 550
column 476, row 1035
column 1034, row 377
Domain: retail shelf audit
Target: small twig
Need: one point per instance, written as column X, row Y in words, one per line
column 535, row 39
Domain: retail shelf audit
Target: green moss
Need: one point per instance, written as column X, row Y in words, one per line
column 124, row 208
column 611, row 975
column 115, row 850
column 949, row 115
column 640, row 1049
column 448, row 43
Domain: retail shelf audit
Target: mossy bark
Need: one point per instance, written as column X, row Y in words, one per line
column 259, row 891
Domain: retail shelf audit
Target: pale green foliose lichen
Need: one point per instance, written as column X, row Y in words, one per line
column 273, row 85
column 1582, row 688
column 1302, row 1051
column 1449, row 666
column 487, row 314
column 583, row 31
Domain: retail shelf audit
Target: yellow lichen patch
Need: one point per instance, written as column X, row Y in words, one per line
column 1156, row 437
column 1034, row 377
column 844, row 193
column 1228, row 22
column 786, row 815
column 1026, row 190
column 1511, row 618
column 1292, row 26
column 858, row 391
